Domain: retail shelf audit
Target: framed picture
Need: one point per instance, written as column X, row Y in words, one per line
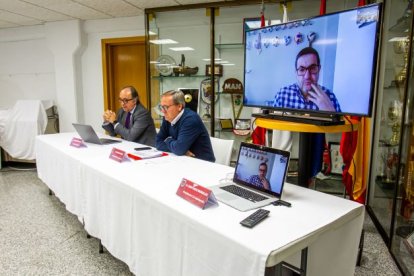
column 218, row 70
column 226, row 124
column 337, row 162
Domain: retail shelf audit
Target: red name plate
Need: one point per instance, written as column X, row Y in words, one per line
column 196, row 194
column 117, row 155
column 77, row 142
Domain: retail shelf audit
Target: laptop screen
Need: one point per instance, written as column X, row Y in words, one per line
column 261, row 168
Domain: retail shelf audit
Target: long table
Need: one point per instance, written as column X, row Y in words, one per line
column 133, row 208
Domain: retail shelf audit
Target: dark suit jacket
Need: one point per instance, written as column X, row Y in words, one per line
column 142, row 128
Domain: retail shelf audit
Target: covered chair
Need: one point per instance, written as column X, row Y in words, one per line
column 222, row 150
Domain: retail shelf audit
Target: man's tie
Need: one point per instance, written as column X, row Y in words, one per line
column 127, row 120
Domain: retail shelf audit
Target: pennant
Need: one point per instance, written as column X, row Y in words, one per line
column 322, row 8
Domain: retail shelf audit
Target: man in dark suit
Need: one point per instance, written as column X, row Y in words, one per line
column 133, row 122
column 182, row 131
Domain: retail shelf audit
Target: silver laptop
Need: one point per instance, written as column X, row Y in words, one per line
column 258, row 178
column 88, row 134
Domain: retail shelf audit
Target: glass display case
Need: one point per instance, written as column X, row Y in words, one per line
column 184, row 46
column 391, row 193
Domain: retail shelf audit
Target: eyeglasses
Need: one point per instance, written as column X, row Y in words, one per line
column 124, row 101
column 165, row 107
column 313, row 69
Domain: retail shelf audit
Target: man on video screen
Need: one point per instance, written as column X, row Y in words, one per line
column 307, row 93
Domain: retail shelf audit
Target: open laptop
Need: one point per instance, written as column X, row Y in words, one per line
column 88, row 134
column 247, row 191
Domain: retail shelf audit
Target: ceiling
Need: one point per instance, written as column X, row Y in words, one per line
column 17, row 13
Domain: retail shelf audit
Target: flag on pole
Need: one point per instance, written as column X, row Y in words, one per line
column 322, row 8
column 355, row 151
column 259, row 133
column 361, row 3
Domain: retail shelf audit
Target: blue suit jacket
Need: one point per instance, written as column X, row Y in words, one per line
column 189, row 133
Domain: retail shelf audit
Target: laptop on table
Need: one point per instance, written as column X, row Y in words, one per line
column 88, row 134
column 246, row 191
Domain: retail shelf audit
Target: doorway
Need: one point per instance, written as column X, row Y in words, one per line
column 123, row 63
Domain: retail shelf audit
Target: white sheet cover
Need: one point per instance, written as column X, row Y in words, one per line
column 25, row 121
column 133, row 208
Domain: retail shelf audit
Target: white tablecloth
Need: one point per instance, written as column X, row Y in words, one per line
column 132, row 207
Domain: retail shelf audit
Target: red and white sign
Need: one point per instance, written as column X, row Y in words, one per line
column 196, row 194
column 118, row 155
column 77, row 142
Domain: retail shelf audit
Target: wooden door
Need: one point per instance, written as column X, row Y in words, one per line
column 124, row 64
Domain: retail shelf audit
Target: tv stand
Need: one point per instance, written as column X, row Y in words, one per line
column 320, row 119
column 306, row 132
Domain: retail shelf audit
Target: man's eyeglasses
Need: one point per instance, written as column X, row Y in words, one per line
column 165, row 107
column 313, row 69
column 124, row 101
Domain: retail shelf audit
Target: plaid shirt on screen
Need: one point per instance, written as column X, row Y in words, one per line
column 291, row 97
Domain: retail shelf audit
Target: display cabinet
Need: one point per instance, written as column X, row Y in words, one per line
column 390, row 199
column 200, row 51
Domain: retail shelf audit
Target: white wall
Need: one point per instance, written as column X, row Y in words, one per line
column 26, row 67
column 95, row 30
column 60, row 61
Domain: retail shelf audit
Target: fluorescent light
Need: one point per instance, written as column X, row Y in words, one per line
column 154, row 62
column 256, row 24
column 151, row 33
column 222, row 62
column 163, row 41
column 398, row 38
column 207, row 59
column 228, row 64
column 181, row 49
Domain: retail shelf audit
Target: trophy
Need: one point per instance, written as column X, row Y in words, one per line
column 394, row 115
column 391, row 163
column 401, row 47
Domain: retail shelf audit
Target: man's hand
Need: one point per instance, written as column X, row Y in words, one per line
column 320, row 98
column 265, row 183
column 109, row 116
column 190, row 154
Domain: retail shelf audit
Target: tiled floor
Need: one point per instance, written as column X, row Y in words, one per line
column 39, row 237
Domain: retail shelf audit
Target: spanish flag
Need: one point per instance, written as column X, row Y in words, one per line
column 355, row 150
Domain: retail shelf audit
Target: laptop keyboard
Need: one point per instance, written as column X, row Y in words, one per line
column 243, row 193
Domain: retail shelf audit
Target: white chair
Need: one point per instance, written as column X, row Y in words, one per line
column 222, row 150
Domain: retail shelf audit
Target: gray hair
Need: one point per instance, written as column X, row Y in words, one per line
column 177, row 96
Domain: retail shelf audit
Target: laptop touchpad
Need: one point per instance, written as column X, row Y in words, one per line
column 228, row 196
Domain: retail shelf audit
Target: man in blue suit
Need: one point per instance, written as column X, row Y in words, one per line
column 182, row 131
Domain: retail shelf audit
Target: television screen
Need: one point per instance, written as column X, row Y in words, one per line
column 324, row 64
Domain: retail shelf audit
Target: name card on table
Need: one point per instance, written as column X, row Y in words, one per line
column 196, row 194
column 118, row 155
column 77, row 142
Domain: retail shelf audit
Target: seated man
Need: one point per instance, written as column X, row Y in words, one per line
column 133, row 122
column 306, row 93
column 182, row 130
column 260, row 180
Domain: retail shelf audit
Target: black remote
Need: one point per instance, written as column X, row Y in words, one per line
column 282, row 202
column 255, row 218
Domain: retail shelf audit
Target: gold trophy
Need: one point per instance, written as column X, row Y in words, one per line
column 394, row 115
column 401, row 47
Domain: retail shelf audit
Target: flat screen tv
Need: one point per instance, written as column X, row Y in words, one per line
column 324, row 65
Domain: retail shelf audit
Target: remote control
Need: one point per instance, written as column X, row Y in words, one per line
column 255, row 218
column 281, row 202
